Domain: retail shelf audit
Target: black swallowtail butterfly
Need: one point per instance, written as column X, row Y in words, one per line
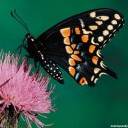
column 75, row 44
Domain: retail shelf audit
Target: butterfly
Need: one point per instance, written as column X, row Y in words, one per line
column 75, row 45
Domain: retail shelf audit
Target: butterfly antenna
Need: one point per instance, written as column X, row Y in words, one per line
column 19, row 20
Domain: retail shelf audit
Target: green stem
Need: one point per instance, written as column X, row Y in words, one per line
column 7, row 124
column 9, row 119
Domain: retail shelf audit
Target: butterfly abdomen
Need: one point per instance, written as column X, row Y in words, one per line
column 52, row 69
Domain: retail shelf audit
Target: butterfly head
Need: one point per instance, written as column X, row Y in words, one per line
column 29, row 38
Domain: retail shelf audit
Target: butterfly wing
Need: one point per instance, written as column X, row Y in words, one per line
column 75, row 43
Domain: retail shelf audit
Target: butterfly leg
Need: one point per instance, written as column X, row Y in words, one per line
column 20, row 47
column 18, row 50
column 27, row 58
column 37, row 66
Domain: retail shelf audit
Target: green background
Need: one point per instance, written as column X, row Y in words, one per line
column 76, row 106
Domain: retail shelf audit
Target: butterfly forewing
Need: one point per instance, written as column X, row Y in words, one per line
column 75, row 43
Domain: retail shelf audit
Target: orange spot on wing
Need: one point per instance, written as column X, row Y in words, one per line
column 76, row 52
column 65, row 32
column 67, row 41
column 83, row 81
column 85, row 38
column 92, row 48
column 69, row 49
column 72, row 62
column 75, row 57
column 73, row 46
column 77, row 31
column 72, row 71
column 95, row 59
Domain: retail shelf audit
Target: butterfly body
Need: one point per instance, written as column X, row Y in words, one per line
column 36, row 51
column 75, row 44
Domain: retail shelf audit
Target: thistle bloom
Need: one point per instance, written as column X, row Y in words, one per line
column 21, row 93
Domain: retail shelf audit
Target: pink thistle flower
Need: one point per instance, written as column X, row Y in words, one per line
column 22, row 93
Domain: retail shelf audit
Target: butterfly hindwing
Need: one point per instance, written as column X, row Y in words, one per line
column 84, row 64
column 75, row 43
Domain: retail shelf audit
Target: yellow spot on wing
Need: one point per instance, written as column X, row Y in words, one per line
column 73, row 46
column 65, row 32
column 93, row 14
column 96, row 70
column 67, row 41
column 83, row 81
column 99, row 22
column 75, row 57
column 93, row 27
column 77, row 31
column 69, row 49
column 85, row 38
column 76, row 52
column 92, row 48
column 72, row 62
column 72, row 71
